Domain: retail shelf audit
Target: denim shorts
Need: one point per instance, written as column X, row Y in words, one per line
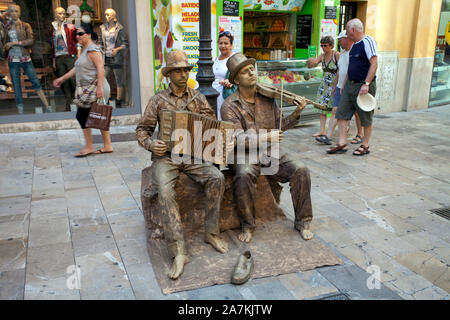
column 337, row 97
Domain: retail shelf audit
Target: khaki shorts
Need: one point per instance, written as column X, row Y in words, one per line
column 348, row 104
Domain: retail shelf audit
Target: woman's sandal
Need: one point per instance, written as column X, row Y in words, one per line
column 361, row 151
column 357, row 140
column 337, row 149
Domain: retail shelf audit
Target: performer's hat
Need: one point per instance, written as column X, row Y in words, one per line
column 367, row 102
column 175, row 60
column 236, row 63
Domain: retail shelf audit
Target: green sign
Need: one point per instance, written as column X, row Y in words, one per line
column 312, row 51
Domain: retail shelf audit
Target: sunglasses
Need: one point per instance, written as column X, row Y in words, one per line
column 324, row 45
column 80, row 34
column 226, row 34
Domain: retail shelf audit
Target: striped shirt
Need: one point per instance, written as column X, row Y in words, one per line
column 360, row 56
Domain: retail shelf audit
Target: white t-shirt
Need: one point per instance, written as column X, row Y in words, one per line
column 343, row 62
column 220, row 70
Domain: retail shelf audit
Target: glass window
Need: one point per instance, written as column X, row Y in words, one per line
column 440, row 82
column 39, row 44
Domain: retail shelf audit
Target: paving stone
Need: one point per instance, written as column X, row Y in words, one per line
column 15, row 183
column 90, row 237
column 15, row 228
column 366, row 257
column 331, row 231
column 432, row 293
column 103, row 276
column 307, row 284
column 428, row 267
column 218, row 292
column 425, row 241
column 13, row 253
column 78, row 181
column 49, row 262
column 410, row 286
column 434, row 224
column 12, row 284
column 51, row 289
column 84, row 204
column 267, row 289
column 46, row 207
column 49, row 230
column 390, row 222
column 383, row 240
column 352, row 281
column 14, row 205
column 144, row 283
column 127, row 224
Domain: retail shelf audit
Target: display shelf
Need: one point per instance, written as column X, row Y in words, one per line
column 440, row 88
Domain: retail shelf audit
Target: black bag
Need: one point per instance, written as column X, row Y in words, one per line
column 99, row 116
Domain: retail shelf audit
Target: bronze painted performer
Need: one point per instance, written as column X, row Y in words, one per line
column 249, row 110
column 165, row 172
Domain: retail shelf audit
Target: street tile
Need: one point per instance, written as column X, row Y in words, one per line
column 49, row 230
column 103, row 277
column 428, row 267
column 353, row 281
column 434, row 224
column 51, row 289
column 13, row 253
column 49, row 262
column 14, row 205
column 267, row 289
column 48, row 207
column 12, row 284
column 307, row 284
column 84, row 204
column 91, row 237
column 408, row 287
column 218, row 292
column 15, row 228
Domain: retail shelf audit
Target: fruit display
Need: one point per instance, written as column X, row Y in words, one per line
column 248, row 27
column 278, row 25
column 261, row 26
column 276, row 77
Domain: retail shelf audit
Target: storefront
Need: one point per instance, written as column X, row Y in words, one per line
column 27, row 97
column 281, row 35
column 440, row 83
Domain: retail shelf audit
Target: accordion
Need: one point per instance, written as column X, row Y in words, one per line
column 194, row 135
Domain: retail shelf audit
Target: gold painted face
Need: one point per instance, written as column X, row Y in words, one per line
column 179, row 77
column 246, row 77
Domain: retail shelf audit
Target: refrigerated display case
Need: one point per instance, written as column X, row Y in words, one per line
column 295, row 75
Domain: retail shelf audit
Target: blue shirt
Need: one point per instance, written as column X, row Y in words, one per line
column 360, row 56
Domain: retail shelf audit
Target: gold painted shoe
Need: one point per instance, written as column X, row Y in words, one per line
column 243, row 269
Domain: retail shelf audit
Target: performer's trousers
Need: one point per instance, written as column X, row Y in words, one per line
column 165, row 174
column 292, row 171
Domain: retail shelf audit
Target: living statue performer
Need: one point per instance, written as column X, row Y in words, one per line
column 17, row 42
column 165, row 172
column 114, row 43
column 248, row 110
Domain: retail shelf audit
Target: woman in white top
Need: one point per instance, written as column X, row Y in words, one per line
column 220, row 66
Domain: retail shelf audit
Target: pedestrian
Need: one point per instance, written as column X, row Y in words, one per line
column 220, row 67
column 90, row 87
column 346, row 45
column 362, row 69
column 329, row 59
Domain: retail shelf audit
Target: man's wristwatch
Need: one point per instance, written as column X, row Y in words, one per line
column 367, row 83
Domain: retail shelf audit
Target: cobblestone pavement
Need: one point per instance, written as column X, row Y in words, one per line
column 57, row 211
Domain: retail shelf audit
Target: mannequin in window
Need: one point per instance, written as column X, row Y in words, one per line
column 64, row 51
column 17, row 42
column 114, row 44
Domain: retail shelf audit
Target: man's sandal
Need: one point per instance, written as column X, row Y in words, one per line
column 338, row 149
column 357, row 140
column 361, row 151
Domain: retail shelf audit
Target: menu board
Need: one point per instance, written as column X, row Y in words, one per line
column 330, row 12
column 304, row 31
column 230, row 8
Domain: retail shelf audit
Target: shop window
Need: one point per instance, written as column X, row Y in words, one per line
column 49, row 49
column 440, row 82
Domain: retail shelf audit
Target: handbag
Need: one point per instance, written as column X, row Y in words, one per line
column 226, row 92
column 99, row 116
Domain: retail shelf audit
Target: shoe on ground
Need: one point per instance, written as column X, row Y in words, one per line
column 243, row 269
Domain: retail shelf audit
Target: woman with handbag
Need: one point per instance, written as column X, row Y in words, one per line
column 89, row 71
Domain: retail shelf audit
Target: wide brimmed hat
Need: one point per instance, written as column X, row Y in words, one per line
column 367, row 102
column 343, row 34
column 175, row 60
column 236, row 63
